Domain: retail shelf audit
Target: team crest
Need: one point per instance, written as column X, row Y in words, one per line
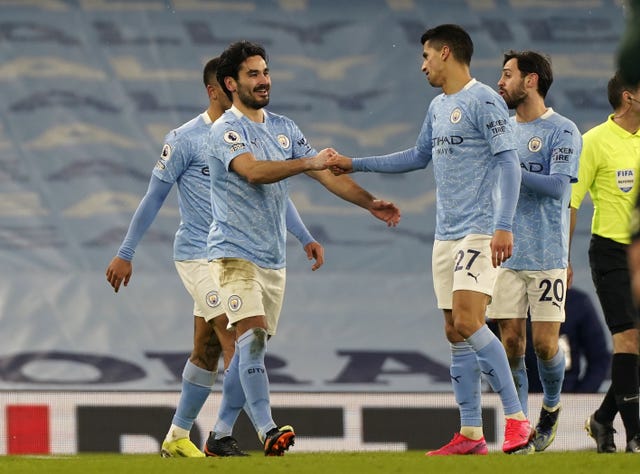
column 625, row 179
column 231, row 137
column 284, row 141
column 456, row 115
column 534, row 144
column 213, row 299
column 234, row 303
column 165, row 154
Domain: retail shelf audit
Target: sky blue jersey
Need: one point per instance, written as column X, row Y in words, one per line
column 462, row 132
column 183, row 162
column 249, row 220
column 548, row 145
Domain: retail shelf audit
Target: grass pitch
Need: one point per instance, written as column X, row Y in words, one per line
column 327, row 463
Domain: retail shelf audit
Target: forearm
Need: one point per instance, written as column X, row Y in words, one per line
column 509, row 185
column 144, row 216
column 344, row 187
column 573, row 218
column 296, row 226
column 553, row 185
column 267, row 172
column 398, row 162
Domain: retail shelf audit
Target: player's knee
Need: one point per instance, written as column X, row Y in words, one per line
column 545, row 350
column 514, row 345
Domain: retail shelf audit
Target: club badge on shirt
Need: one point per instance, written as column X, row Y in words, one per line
column 284, row 141
column 534, row 144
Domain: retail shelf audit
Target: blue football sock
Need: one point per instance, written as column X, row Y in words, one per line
column 465, row 378
column 519, row 373
column 196, row 387
column 495, row 367
column 233, row 399
column 552, row 375
column 252, row 347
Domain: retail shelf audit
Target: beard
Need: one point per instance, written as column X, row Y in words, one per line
column 252, row 102
column 515, row 99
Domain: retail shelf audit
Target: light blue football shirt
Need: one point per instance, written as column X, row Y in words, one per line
column 183, row 161
column 462, row 132
column 548, row 145
column 249, row 220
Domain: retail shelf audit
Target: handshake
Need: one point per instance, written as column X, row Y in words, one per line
column 330, row 159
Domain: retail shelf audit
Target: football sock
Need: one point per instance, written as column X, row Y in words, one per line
column 624, row 380
column 494, row 366
column 252, row 347
column 519, row 374
column 465, row 379
column 551, row 374
column 608, row 409
column 196, row 387
column 233, row 399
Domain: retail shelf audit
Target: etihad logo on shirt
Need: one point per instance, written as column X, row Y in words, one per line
column 625, row 179
column 532, row 166
column 450, row 140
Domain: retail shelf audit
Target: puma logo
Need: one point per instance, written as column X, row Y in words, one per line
column 488, row 374
column 475, row 277
column 556, row 304
column 456, row 379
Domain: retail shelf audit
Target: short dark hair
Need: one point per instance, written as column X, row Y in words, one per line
column 232, row 57
column 453, row 36
column 531, row 62
column 210, row 70
column 616, row 86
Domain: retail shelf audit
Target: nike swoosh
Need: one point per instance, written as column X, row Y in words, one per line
column 629, row 399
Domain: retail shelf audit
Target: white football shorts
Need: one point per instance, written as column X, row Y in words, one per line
column 249, row 290
column 541, row 293
column 463, row 264
column 196, row 278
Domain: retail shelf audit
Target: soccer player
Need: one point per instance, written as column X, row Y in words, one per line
column 467, row 134
column 252, row 151
column 533, row 280
column 183, row 162
column 609, row 172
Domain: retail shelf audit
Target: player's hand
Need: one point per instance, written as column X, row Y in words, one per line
column 315, row 251
column 319, row 162
column 340, row 164
column 569, row 275
column 385, row 211
column 119, row 272
column 501, row 246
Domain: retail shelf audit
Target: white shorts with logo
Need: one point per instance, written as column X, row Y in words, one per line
column 249, row 290
column 196, row 278
column 542, row 293
column 463, row 264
